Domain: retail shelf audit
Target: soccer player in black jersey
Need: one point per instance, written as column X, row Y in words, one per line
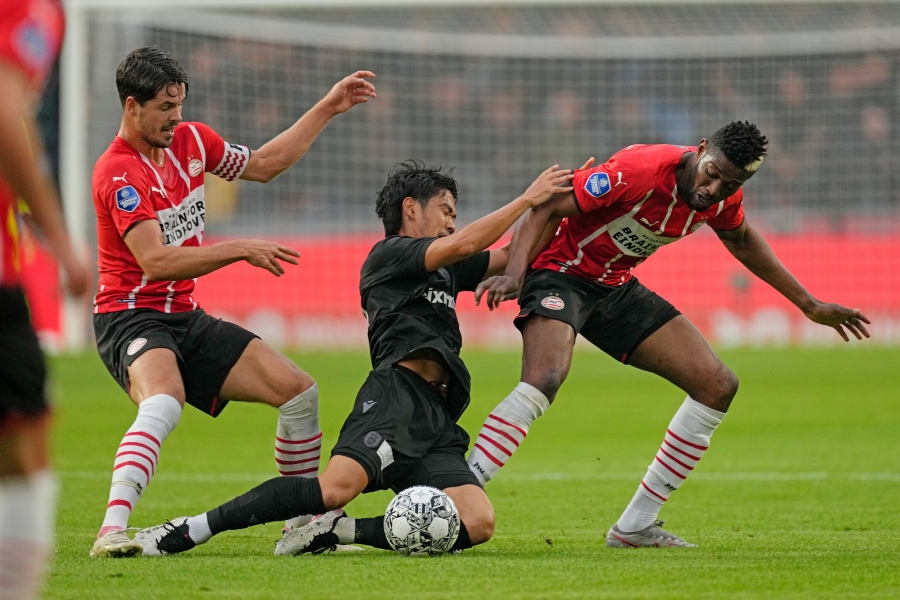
column 402, row 430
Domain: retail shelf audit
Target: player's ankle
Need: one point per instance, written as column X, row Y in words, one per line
column 104, row 530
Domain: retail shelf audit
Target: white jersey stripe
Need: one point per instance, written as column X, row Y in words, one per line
column 171, row 289
column 97, row 306
column 200, row 144
column 668, row 212
column 159, row 180
column 581, row 245
column 721, row 206
column 133, row 295
column 596, row 234
column 177, row 164
column 607, row 265
column 688, row 223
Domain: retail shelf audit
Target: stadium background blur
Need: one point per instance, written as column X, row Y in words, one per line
column 500, row 93
column 798, row 498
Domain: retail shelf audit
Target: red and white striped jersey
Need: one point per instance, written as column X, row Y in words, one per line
column 31, row 33
column 630, row 208
column 129, row 188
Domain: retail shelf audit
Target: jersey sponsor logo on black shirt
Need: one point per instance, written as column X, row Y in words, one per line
column 439, row 297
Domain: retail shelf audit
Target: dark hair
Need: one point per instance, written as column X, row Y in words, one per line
column 411, row 179
column 740, row 142
column 146, row 71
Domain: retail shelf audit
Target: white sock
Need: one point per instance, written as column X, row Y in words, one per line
column 27, row 515
column 504, row 429
column 198, row 529
column 686, row 440
column 345, row 529
column 137, row 458
column 298, row 440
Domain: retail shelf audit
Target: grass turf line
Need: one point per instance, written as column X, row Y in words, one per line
column 797, row 497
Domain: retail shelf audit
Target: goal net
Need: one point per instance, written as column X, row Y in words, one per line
column 501, row 93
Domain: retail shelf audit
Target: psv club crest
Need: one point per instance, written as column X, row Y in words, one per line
column 553, row 303
column 195, row 167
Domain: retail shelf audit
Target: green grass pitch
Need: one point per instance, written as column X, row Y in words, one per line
column 798, row 497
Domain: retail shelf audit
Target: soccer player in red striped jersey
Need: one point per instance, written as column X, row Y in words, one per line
column 158, row 344
column 619, row 214
column 31, row 33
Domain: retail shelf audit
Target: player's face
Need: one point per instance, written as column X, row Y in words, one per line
column 439, row 215
column 158, row 117
column 714, row 179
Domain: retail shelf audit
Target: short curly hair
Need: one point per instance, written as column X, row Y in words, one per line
column 411, row 179
column 741, row 143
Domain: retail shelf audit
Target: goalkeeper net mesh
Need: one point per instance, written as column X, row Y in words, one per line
column 499, row 94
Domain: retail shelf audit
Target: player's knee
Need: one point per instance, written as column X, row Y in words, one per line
column 293, row 382
column 725, row 389
column 480, row 526
column 548, row 381
column 337, row 495
column 26, row 451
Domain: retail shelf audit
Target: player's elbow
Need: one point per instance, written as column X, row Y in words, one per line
column 264, row 167
column 268, row 175
column 464, row 246
column 155, row 267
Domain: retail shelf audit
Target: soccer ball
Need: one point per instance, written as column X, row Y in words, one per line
column 421, row 521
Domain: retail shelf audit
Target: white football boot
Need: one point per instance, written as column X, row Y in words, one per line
column 116, row 544
column 653, row 536
column 315, row 537
column 171, row 537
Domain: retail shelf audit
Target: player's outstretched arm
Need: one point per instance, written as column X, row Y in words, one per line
column 177, row 263
column 531, row 237
column 749, row 247
column 19, row 166
column 277, row 155
column 485, row 231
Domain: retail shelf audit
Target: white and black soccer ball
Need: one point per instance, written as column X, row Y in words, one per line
column 421, row 521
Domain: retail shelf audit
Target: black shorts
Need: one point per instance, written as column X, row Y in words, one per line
column 615, row 319
column 402, row 435
column 206, row 348
column 23, row 373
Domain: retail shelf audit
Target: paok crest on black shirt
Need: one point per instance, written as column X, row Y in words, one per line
column 409, row 308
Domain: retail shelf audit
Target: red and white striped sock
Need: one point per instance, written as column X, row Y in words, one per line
column 137, row 458
column 504, row 429
column 684, row 444
column 298, row 440
column 27, row 513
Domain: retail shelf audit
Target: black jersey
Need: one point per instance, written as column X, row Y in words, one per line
column 409, row 308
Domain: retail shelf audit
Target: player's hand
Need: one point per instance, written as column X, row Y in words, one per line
column 266, row 255
column 838, row 317
column 350, row 91
column 498, row 288
column 586, row 165
column 551, row 182
column 77, row 274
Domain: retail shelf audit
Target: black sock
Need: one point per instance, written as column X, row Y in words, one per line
column 371, row 533
column 275, row 500
column 462, row 541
